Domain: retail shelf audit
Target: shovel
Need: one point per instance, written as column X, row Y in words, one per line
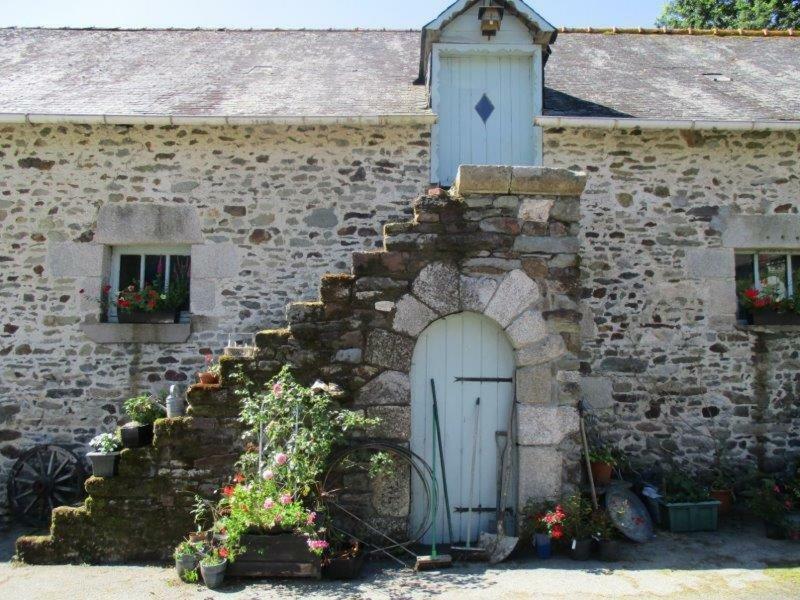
column 499, row 546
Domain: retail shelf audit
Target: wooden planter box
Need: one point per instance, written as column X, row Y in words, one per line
column 147, row 318
column 771, row 317
column 283, row 555
column 685, row 517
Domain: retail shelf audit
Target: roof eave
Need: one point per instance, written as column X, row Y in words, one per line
column 687, row 124
column 425, row 118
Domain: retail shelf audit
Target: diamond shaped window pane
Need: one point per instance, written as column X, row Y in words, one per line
column 484, row 108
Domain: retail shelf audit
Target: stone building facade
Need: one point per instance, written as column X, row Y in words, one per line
column 664, row 362
column 281, row 205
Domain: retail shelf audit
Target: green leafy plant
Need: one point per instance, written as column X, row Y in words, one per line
column 577, row 517
column 143, row 409
column 215, row 556
column 105, row 443
column 771, row 500
column 188, row 549
column 603, row 528
column 604, row 454
column 190, row 576
column 731, row 14
column 381, row 464
column 678, row 486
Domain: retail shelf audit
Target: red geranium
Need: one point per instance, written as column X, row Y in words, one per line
column 227, row 490
column 238, row 478
column 557, row 532
column 751, row 293
column 223, row 553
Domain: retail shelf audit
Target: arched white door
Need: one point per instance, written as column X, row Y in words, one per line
column 464, row 345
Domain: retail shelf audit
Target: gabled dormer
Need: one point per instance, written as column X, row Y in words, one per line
column 483, row 61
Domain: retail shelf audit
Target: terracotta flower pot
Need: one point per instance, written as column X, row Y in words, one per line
column 725, row 498
column 208, row 378
column 601, row 473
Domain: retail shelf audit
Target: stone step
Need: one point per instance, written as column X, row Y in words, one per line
column 216, row 401
column 305, row 312
column 271, row 338
column 137, row 462
column 336, row 288
column 127, row 487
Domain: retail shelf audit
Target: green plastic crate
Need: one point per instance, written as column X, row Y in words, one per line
column 685, row 517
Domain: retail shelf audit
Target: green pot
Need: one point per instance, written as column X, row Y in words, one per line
column 686, row 517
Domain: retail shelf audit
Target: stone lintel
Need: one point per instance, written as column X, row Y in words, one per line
column 128, row 333
column 761, row 232
column 519, row 180
column 120, row 224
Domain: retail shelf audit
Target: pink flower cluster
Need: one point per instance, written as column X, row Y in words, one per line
column 317, row 544
column 286, row 499
column 269, row 503
column 281, row 459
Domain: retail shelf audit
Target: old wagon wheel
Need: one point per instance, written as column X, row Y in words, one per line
column 44, row 477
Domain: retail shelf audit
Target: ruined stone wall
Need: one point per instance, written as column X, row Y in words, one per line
column 663, row 359
column 293, row 201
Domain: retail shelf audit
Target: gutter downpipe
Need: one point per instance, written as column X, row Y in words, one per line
column 686, row 124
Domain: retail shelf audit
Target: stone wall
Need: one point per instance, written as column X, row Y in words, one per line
column 291, row 202
column 664, row 362
column 503, row 244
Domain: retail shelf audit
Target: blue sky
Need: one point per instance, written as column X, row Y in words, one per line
column 397, row 14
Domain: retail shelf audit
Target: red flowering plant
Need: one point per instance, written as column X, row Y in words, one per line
column 544, row 519
column 774, row 498
column 151, row 296
column 768, row 298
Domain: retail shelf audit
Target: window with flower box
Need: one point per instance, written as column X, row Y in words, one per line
column 767, row 284
column 149, row 284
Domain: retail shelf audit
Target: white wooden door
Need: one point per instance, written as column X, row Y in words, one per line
column 485, row 105
column 461, row 345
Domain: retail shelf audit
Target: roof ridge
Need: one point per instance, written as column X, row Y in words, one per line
column 689, row 31
column 232, row 29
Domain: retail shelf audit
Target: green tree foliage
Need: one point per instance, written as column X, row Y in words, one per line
column 731, row 14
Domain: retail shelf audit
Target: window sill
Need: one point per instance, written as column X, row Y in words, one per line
column 130, row 333
column 768, row 328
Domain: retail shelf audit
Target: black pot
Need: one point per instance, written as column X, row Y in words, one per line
column 609, row 550
column 774, row 531
column 134, row 435
column 160, row 317
column 344, row 568
column 581, row 549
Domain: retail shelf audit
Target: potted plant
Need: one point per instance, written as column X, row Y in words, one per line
column 722, row 489
column 106, row 452
column 686, row 506
column 211, row 375
column 150, row 303
column 344, row 560
column 543, row 523
column 578, row 527
column 767, row 306
column 606, row 536
column 187, row 556
column 213, row 565
column 143, row 411
column 269, row 515
column 602, row 461
column 773, row 501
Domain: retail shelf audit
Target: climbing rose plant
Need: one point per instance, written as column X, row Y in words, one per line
column 292, row 429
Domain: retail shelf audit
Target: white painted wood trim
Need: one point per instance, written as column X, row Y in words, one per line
column 461, row 5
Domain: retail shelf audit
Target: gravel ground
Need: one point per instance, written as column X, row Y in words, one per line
column 737, row 562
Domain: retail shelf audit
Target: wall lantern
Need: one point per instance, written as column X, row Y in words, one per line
column 490, row 17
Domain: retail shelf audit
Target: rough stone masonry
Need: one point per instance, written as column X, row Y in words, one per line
column 462, row 252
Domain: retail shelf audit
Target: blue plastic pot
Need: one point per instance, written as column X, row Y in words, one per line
column 544, row 548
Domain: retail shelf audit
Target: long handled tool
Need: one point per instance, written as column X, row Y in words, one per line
column 500, row 546
column 469, row 551
column 436, row 560
column 586, row 455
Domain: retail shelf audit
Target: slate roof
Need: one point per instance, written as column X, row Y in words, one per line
column 371, row 73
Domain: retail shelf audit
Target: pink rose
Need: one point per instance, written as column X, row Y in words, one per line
column 286, row 499
column 312, row 516
column 269, row 503
column 277, row 389
column 281, row 458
